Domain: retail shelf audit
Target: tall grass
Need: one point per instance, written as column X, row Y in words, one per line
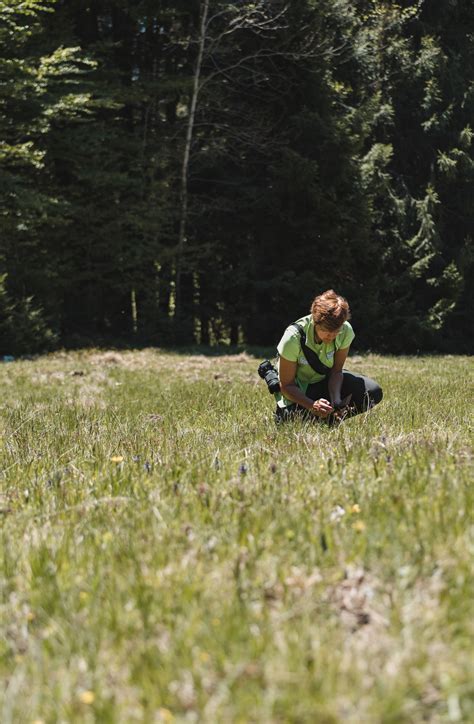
column 169, row 554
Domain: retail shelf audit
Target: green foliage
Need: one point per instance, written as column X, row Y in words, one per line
column 332, row 147
column 23, row 329
column 39, row 90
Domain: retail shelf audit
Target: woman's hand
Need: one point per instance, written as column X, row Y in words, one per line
column 341, row 404
column 343, row 409
column 322, row 408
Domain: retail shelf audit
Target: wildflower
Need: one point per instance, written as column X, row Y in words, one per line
column 243, row 469
column 87, row 697
column 359, row 526
column 336, row 514
column 155, row 418
column 211, row 544
column 355, row 508
column 147, row 466
column 165, row 715
column 116, row 459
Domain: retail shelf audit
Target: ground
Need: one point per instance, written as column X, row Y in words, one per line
column 168, row 554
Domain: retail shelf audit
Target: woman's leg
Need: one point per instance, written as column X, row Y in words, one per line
column 366, row 393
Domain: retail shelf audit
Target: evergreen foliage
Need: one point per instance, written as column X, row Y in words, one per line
column 198, row 171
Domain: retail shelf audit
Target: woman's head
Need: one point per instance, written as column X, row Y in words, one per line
column 329, row 312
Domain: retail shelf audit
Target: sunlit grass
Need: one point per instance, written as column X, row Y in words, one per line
column 168, row 554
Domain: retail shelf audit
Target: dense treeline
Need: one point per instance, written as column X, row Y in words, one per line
column 179, row 171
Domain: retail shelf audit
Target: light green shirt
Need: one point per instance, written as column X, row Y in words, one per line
column 289, row 347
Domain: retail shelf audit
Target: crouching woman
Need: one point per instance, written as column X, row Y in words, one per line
column 312, row 354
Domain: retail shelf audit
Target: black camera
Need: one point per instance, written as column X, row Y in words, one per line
column 268, row 373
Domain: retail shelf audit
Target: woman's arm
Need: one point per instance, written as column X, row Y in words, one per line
column 289, row 388
column 335, row 376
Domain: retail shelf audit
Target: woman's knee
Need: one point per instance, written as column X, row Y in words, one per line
column 366, row 394
column 375, row 393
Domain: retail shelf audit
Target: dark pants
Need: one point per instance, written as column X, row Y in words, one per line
column 366, row 393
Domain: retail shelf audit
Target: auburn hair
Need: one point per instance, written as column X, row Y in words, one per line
column 330, row 310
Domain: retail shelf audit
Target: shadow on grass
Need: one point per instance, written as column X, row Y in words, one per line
column 221, row 350
column 105, row 343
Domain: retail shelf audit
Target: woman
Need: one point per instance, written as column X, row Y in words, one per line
column 313, row 352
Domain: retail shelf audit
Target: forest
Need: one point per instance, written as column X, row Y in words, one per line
column 194, row 172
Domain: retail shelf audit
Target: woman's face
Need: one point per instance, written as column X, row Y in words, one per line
column 326, row 335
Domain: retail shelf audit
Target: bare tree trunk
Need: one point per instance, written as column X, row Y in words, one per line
column 187, row 151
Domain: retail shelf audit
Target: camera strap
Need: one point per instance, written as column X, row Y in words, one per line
column 312, row 357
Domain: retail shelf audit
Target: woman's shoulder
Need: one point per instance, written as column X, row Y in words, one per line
column 289, row 345
column 292, row 330
column 302, row 322
column 345, row 336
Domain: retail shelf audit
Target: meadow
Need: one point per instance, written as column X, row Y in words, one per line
column 169, row 555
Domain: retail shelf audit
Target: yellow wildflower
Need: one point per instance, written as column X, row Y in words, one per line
column 165, row 714
column 87, row 697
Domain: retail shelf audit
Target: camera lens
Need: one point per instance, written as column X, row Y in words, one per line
column 268, row 373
